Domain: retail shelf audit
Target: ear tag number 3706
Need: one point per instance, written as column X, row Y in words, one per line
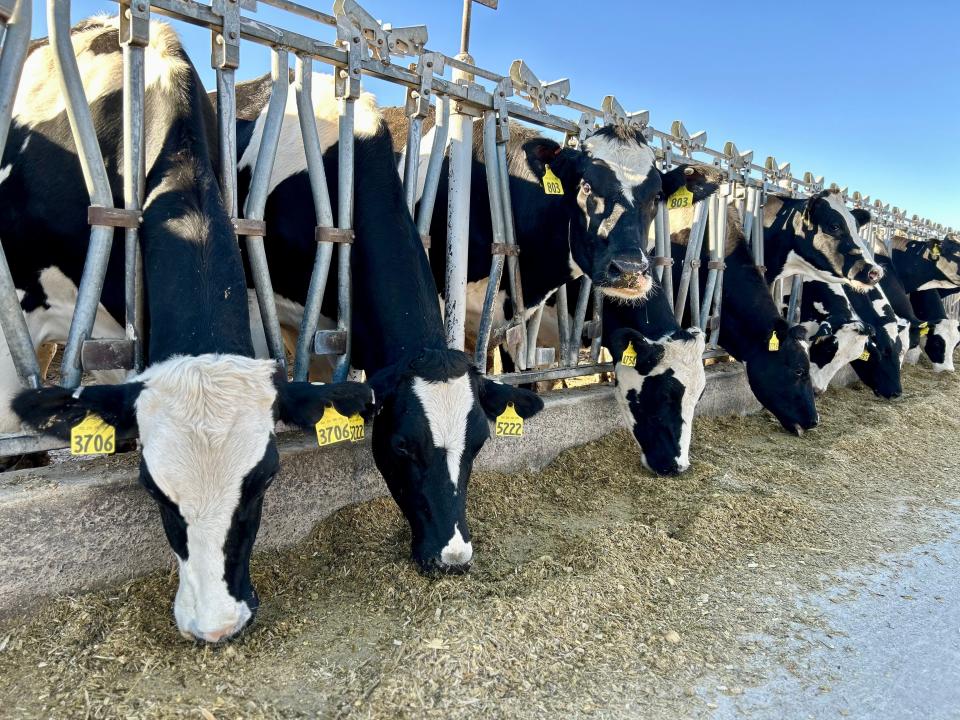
column 93, row 436
column 509, row 423
column 551, row 183
column 334, row 427
column 629, row 357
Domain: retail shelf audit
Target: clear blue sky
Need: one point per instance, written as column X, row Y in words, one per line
column 866, row 93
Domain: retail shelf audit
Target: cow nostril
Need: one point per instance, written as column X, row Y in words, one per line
column 621, row 266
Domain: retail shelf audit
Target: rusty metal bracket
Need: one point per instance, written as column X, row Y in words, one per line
column 661, row 261
column 243, row 226
column 106, row 354
column 504, row 249
column 333, row 235
column 113, row 217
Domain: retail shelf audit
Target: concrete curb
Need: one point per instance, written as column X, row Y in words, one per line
column 75, row 526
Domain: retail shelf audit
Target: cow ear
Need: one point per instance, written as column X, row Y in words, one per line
column 383, row 383
column 303, row 404
column 798, row 332
column 690, row 177
column 541, row 152
column 54, row 410
column 648, row 353
column 494, row 398
column 861, row 215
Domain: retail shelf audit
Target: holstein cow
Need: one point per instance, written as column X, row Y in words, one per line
column 751, row 328
column 837, row 335
column 942, row 335
column 886, row 348
column 434, row 406
column 927, row 264
column 899, row 300
column 204, row 408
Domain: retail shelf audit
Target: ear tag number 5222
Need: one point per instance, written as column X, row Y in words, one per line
column 334, row 427
column 93, row 436
column 551, row 183
column 681, row 199
column 509, row 423
column 629, row 357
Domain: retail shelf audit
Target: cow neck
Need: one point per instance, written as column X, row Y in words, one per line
column 748, row 313
column 913, row 269
column 893, row 288
column 193, row 277
column 778, row 237
column 396, row 307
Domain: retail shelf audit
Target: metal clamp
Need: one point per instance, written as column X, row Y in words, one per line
column 716, row 265
column 347, row 82
column 418, row 100
column 135, row 23
column 113, row 217
column 504, row 249
column 657, row 261
column 503, row 91
column 406, row 41
column 245, row 226
column 225, row 43
column 333, row 235
column 353, row 21
column 687, row 142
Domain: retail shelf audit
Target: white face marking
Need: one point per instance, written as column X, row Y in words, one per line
column 685, row 358
column 850, row 345
column 836, row 202
column 205, row 422
column 456, row 552
column 290, row 158
column 447, row 406
column 629, row 160
column 948, row 330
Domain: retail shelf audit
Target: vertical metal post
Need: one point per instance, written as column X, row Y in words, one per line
column 666, row 270
column 597, row 339
column 134, row 37
column 563, row 325
column 432, row 178
column 257, row 202
column 98, row 187
column 579, row 317
column 793, row 310
column 14, row 325
column 303, row 87
column 690, row 275
column 713, row 227
column 533, row 330
column 458, row 218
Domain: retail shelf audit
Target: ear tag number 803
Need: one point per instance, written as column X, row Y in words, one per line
column 334, row 427
column 509, row 423
column 93, row 436
column 551, row 183
column 680, row 200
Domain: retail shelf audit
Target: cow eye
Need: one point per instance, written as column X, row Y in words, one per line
column 585, row 188
column 835, row 228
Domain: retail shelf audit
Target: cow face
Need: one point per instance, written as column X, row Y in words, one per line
column 944, row 255
column 611, row 186
column 780, row 378
column 941, row 342
column 828, row 244
column 206, row 427
column 433, row 419
column 832, row 348
column 658, row 395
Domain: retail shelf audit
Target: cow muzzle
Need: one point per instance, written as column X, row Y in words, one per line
column 627, row 277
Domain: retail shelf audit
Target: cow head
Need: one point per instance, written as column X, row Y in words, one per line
column 885, row 349
column 833, row 345
column 658, row 394
column 828, row 245
column 433, row 418
column 940, row 259
column 206, row 427
column 611, row 186
column 941, row 342
column 779, row 375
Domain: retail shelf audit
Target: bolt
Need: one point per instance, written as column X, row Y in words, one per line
column 233, row 35
column 429, row 64
column 141, row 7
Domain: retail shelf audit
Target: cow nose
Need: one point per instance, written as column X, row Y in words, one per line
column 215, row 636
column 623, row 266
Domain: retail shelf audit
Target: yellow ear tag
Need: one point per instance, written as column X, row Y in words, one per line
column 551, row 183
column 93, row 436
column 681, row 199
column 509, row 424
column 334, row 427
column 924, row 328
column 774, row 343
column 865, row 355
column 935, row 252
column 629, row 357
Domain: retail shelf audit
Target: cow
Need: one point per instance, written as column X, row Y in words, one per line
column 433, row 405
column 837, row 336
column 897, row 296
column 879, row 367
column 204, row 407
column 817, row 237
column 940, row 332
column 927, row 264
column 751, row 327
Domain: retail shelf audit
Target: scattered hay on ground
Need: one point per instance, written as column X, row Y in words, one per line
column 597, row 589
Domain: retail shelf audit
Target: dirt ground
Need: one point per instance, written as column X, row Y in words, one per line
column 598, row 589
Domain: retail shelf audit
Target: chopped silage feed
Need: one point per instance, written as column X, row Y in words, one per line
column 598, row 589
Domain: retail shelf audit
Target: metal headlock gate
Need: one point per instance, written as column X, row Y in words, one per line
column 362, row 46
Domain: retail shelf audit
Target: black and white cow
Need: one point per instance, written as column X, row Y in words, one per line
column 837, row 335
column 205, row 408
column 778, row 370
column 433, row 406
column 897, row 296
column 942, row 335
column 887, row 345
column 927, row 264
column 817, row 237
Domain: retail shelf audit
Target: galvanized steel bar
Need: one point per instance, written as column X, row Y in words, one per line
column 458, row 224
column 532, row 376
column 411, row 165
column 687, row 274
column 533, row 330
column 665, row 252
column 713, row 213
column 432, row 177
column 563, row 325
column 12, row 321
column 597, row 339
column 98, row 187
column 793, row 310
column 579, row 318
column 303, row 88
column 257, row 202
column 227, row 127
column 513, row 261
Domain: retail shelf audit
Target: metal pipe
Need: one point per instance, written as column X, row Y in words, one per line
column 465, row 27
column 579, row 317
column 533, row 330
column 509, row 232
column 531, row 376
column 227, row 126
column 345, row 179
column 257, row 202
column 411, row 165
column 694, row 243
column 793, row 310
column 432, row 179
column 666, row 278
column 596, row 341
column 716, row 302
column 12, row 321
column 713, row 228
column 97, row 183
column 563, row 325
column 303, row 88
column 134, row 173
